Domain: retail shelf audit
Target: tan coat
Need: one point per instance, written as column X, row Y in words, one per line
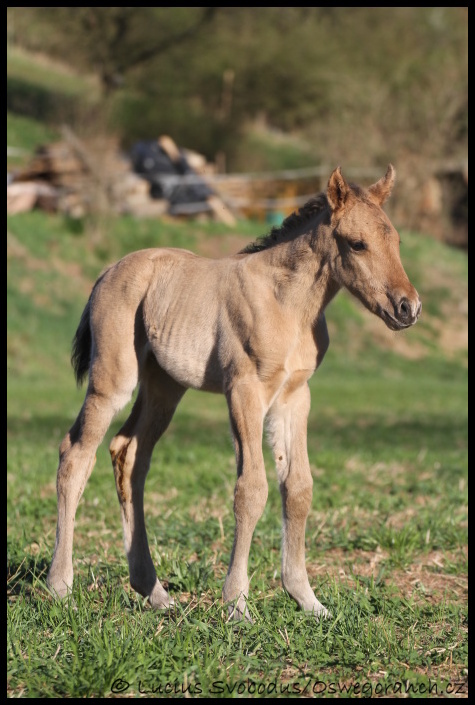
column 250, row 326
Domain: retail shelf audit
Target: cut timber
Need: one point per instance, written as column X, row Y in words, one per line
column 217, row 206
column 23, row 196
column 220, row 210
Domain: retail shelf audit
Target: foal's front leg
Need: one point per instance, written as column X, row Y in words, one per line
column 250, row 495
column 287, row 427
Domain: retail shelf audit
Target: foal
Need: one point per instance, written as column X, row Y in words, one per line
column 250, row 326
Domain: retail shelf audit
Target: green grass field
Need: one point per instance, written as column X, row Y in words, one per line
column 386, row 537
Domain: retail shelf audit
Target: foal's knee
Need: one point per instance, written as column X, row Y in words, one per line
column 250, row 498
column 297, row 498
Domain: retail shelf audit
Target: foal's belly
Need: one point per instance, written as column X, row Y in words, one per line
column 191, row 363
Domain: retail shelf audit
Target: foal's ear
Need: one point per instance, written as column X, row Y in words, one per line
column 337, row 189
column 381, row 190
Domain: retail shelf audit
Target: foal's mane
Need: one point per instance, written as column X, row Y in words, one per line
column 291, row 226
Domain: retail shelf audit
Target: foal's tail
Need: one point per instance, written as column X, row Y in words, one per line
column 81, row 352
column 82, row 341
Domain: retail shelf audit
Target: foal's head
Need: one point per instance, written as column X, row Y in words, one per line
column 365, row 250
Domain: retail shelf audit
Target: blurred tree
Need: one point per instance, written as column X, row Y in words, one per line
column 112, row 41
column 363, row 84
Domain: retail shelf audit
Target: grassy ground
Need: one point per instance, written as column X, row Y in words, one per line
column 386, row 536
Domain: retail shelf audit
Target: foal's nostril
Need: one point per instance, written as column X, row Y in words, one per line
column 404, row 310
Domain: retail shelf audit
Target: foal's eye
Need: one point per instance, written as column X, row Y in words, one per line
column 357, row 245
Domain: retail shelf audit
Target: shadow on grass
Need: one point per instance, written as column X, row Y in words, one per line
column 27, row 577
column 440, row 433
column 26, row 574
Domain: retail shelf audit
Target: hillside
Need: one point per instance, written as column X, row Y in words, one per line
column 54, row 264
column 432, row 196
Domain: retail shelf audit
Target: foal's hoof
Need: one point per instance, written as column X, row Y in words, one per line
column 322, row 614
column 58, row 588
column 160, row 599
column 319, row 612
column 168, row 606
column 238, row 612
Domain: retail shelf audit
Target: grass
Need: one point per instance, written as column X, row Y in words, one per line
column 386, row 536
column 24, row 135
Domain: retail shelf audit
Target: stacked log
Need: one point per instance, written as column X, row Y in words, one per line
column 79, row 179
column 76, row 180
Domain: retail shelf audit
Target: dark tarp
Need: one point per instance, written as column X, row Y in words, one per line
column 152, row 163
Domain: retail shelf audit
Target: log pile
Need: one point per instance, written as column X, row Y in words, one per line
column 76, row 179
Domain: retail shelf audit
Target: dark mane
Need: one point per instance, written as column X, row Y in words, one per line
column 291, row 225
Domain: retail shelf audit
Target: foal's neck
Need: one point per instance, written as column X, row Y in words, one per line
column 300, row 275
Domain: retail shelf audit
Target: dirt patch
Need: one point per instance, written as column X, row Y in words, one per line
column 426, row 579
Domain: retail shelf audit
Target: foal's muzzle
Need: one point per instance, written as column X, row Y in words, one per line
column 404, row 313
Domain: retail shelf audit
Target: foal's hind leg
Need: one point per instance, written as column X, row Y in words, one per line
column 76, row 461
column 131, row 451
column 287, row 426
